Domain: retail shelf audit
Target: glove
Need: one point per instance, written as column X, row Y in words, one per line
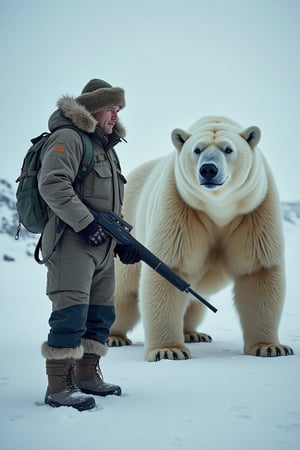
column 128, row 254
column 94, row 234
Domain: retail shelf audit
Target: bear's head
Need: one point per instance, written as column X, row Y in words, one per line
column 215, row 159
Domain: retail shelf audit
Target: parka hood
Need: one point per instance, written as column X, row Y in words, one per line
column 70, row 110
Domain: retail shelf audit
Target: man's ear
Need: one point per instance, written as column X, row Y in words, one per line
column 252, row 136
column 179, row 137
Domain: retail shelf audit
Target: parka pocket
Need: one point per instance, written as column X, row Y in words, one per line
column 98, row 184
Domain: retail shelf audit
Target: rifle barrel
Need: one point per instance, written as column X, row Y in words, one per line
column 120, row 230
column 205, row 302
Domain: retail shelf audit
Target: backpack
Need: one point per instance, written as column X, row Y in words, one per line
column 32, row 209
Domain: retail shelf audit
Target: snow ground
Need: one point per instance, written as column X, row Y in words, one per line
column 218, row 399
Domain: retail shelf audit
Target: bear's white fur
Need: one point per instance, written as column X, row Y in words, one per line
column 210, row 210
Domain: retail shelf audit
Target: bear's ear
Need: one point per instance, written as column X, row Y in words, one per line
column 179, row 137
column 252, row 136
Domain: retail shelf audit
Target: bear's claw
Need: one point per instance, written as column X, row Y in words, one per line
column 273, row 350
column 174, row 354
column 118, row 341
column 194, row 336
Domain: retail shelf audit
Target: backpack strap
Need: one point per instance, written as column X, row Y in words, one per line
column 88, row 159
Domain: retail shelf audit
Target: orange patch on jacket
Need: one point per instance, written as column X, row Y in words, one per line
column 59, row 148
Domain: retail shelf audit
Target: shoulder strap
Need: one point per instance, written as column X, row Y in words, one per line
column 87, row 162
column 88, row 159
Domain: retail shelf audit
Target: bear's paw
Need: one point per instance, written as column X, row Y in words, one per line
column 173, row 353
column 270, row 350
column 195, row 336
column 118, row 341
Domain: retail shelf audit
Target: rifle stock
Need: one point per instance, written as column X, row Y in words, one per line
column 119, row 229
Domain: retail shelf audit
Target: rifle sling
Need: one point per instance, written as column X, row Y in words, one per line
column 59, row 232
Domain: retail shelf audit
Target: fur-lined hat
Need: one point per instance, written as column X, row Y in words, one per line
column 99, row 94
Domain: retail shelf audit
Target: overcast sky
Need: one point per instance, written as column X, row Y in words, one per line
column 177, row 61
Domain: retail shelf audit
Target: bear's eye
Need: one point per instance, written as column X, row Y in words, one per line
column 197, row 151
column 228, row 150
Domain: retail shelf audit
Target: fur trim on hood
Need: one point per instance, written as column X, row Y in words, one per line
column 77, row 113
column 81, row 117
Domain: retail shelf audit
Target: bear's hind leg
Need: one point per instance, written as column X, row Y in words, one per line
column 193, row 316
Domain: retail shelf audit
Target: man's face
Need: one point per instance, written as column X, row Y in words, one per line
column 107, row 118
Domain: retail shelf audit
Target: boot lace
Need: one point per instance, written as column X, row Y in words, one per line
column 69, row 380
column 98, row 372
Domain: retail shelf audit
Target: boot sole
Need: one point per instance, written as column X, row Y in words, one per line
column 117, row 392
column 84, row 406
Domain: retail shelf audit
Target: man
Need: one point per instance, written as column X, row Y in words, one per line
column 80, row 278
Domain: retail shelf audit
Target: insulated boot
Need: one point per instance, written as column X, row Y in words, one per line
column 88, row 377
column 61, row 389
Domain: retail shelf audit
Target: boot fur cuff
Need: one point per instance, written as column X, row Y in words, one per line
column 61, row 352
column 95, row 347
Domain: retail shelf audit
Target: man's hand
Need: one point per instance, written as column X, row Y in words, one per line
column 128, row 254
column 94, row 234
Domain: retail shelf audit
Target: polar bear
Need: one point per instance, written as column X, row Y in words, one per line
column 210, row 210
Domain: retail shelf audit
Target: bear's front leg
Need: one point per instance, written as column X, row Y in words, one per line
column 259, row 300
column 162, row 307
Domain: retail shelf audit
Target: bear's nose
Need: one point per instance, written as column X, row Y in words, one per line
column 208, row 171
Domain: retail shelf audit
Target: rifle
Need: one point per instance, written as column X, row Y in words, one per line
column 119, row 229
